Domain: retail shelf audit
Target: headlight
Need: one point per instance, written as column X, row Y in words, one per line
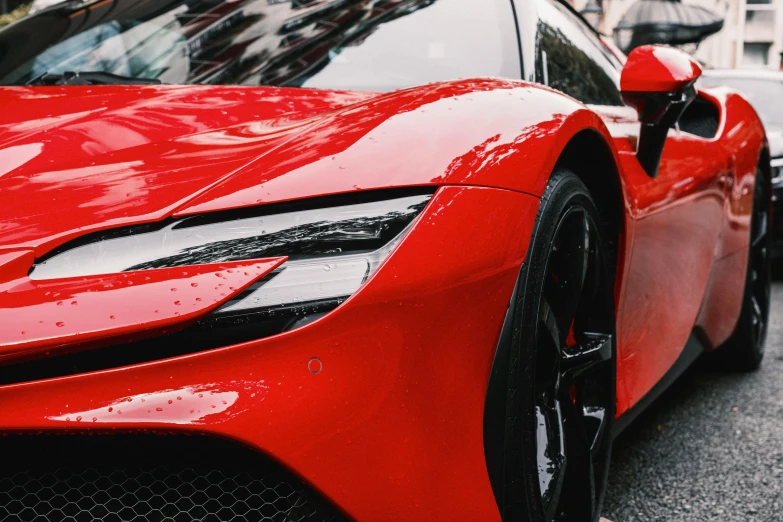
column 332, row 247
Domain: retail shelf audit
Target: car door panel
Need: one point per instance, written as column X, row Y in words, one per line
column 677, row 221
column 680, row 272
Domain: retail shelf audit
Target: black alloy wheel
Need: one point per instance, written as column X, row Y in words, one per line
column 562, row 379
column 744, row 350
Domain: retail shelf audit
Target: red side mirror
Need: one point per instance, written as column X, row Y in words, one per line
column 658, row 82
column 659, row 69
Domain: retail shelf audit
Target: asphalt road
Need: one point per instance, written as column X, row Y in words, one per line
column 711, row 448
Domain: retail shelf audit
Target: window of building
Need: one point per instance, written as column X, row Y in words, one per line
column 760, row 33
column 755, row 54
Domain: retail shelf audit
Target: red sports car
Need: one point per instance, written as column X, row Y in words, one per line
column 401, row 259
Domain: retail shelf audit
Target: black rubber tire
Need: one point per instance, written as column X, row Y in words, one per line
column 522, row 493
column 744, row 350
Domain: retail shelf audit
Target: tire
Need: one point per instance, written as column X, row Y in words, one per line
column 561, row 384
column 744, row 350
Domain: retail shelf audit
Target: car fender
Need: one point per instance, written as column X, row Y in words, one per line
column 482, row 132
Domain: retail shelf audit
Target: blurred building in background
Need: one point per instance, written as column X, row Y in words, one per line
column 751, row 35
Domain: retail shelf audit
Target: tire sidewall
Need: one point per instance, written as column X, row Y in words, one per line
column 564, row 191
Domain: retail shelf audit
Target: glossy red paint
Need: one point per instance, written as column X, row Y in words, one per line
column 113, row 155
column 282, row 151
column 48, row 316
column 515, row 131
column 686, row 239
column 398, row 406
column 656, row 68
column 15, row 264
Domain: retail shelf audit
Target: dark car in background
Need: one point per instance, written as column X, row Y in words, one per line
column 764, row 90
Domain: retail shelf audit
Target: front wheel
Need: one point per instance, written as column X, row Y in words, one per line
column 561, row 393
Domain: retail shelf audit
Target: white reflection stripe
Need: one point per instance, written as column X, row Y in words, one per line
column 299, row 283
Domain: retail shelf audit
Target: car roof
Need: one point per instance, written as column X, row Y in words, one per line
column 750, row 74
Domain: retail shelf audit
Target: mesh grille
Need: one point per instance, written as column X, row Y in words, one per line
column 144, row 478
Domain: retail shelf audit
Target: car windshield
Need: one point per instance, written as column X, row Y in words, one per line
column 766, row 96
column 370, row 45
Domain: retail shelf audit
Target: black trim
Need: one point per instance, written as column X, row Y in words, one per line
column 581, row 17
column 652, row 139
column 209, row 333
column 334, row 200
column 131, row 475
column 658, row 112
column 693, row 349
column 519, row 41
column 495, row 404
column 90, row 78
column 701, row 118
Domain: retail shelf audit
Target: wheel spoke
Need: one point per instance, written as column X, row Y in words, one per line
column 568, row 268
column 550, row 323
column 573, row 374
column 597, row 419
column 551, row 455
column 579, row 441
column 594, row 350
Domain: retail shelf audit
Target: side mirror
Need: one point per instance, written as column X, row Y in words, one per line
column 658, row 82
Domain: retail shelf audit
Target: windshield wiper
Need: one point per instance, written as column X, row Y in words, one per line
column 90, row 78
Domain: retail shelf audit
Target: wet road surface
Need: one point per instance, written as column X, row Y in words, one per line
column 710, row 448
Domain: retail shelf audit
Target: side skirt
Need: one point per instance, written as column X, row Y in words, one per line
column 693, row 349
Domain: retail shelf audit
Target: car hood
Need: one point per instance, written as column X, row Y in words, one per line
column 75, row 159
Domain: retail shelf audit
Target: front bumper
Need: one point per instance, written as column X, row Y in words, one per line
column 390, row 424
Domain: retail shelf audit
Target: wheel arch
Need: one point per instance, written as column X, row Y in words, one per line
column 588, row 155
